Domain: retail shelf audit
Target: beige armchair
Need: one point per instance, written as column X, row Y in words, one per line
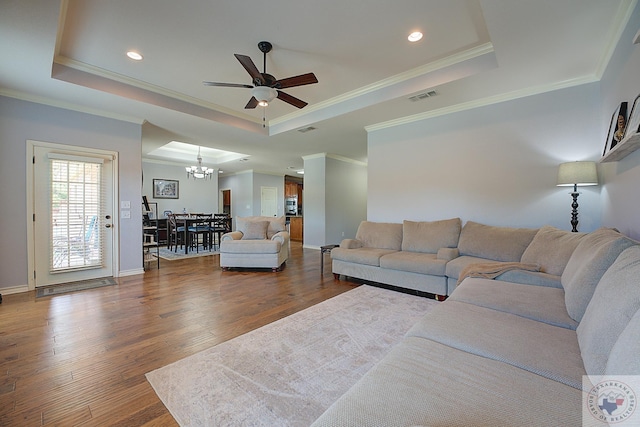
column 258, row 242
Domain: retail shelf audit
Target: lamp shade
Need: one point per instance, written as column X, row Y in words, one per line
column 577, row 173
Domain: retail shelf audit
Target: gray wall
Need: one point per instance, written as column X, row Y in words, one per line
column 335, row 199
column 21, row 121
column 194, row 195
column 620, row 82
column 495, row 164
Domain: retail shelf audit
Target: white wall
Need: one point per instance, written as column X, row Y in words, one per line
column 495, row 165
column 620, row 82
column 194, row 195
column 21, row 121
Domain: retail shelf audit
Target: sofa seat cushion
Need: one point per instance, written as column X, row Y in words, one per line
column 456, row 265
column 430, row 236
column 367, row 256
column 592, row 257
column 494, row 243
column 414, row 262
column 615, row 301
column 250, row 246
column 424, row 383
column 543, row 304
column 537, row 347
column 551, row 248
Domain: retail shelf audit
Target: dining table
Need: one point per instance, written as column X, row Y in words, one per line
column 217, row 226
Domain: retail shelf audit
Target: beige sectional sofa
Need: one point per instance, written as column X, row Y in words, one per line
column 429, row 256
column 503, row 353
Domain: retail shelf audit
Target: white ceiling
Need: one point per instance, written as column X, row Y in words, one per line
column 474, row 52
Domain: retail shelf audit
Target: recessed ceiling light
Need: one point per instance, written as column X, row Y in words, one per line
column 134, row 55
column 415, row 36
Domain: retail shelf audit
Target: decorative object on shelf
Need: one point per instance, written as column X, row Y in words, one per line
column 633, row 124
column 199, row 172
column 577, row 174
column 165, row 189
column 616, row 127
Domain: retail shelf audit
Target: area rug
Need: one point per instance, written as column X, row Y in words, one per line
column 289, row 372
column 170, row 255
column 63, row 288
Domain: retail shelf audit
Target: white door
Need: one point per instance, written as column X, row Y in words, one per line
column 73, row 209
column 268, row 201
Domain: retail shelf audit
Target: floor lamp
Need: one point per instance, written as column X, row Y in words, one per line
column 577, row 174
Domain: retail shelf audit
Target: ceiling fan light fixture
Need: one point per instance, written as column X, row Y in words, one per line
column 264, row 95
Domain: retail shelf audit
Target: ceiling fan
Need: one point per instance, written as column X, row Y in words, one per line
column 265, row 87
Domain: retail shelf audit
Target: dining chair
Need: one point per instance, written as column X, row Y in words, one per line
column 175, row 232
column 221, row 225
column 201, row 227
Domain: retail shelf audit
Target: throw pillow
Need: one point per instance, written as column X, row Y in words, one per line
column 495, row 243
column 255, row 230
column 551, row 249
column 430, row 236
column 592, row 257
column 615, row 301
column 276, row 225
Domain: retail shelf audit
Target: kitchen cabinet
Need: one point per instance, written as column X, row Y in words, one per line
column 290, row 189
column 295, row 228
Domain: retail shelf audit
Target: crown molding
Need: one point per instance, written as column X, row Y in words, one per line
column 334, row 157
column 477, row 51
column 483, row 102
column 51, row 102
column 109, row 75
column 620, row 21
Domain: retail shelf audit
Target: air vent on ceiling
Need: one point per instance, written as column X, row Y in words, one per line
column 307, row 129
column 423, row 95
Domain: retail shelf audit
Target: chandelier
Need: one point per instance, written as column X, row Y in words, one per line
column 199, row 172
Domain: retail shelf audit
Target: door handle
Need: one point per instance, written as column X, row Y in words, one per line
column 108, row 225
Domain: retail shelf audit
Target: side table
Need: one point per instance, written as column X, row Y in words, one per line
column 323, row 250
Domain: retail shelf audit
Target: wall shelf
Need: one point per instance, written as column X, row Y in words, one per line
column 627, row 146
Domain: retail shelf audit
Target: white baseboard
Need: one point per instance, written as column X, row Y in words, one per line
column 124, row 273
column 14, row 289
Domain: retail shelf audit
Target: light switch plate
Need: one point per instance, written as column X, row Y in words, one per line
column 125, row 204
column 125, row 214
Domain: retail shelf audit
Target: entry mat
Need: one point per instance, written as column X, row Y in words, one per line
column 63, row 288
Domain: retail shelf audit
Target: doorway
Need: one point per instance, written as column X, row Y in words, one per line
column 72, row 203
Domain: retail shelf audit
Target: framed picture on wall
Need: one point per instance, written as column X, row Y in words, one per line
column 633, row 124
column 616, row 127
column 165, row 189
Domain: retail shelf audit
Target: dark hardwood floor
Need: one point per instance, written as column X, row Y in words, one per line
column 81, row 358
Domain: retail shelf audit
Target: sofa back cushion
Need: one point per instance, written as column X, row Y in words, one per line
column 615, row 301
column 494, row 243
column 430, row 236
column 623, row 359
column 381, row 235
column 276, row 224
column 551, row 249
column 592, row 257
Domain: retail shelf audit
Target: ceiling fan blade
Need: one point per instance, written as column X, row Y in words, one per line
column 251, row 68
column 226, row 84
column 253, row 103
column 291, row 100
column 301, row 80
